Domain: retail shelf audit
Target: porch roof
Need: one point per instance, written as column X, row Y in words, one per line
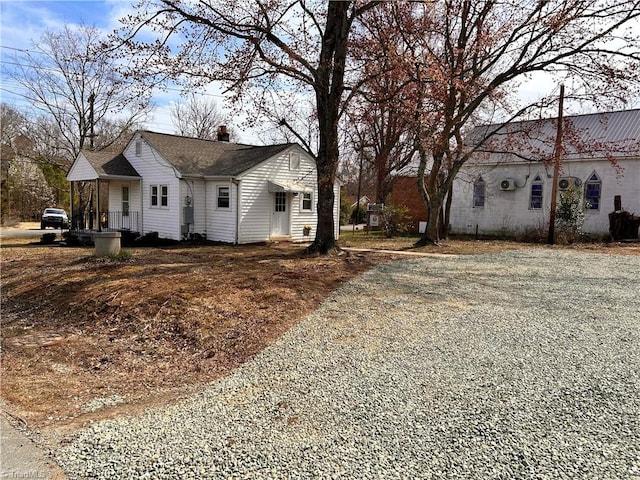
column 107, row 165
column 282, row 186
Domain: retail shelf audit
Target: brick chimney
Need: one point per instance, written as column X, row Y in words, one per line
column 223, row 135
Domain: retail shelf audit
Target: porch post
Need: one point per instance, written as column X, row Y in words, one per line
column 98, row 204
column 74, row 224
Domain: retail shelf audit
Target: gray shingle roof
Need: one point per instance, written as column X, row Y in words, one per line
column 109, row 163
column 193, row 156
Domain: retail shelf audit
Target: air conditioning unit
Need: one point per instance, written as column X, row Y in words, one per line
column 507, row 184
column 565, row 182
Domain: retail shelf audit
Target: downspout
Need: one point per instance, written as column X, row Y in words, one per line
column 237, row 184
column 141, row 206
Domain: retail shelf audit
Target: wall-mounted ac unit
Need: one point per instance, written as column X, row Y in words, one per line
column 507, row 184
column 565, row 182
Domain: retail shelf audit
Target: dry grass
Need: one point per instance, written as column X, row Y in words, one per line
column 148, row 328
column 159, row 324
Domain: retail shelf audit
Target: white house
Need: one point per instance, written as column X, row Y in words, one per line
column 178, row 186
column 509, row 192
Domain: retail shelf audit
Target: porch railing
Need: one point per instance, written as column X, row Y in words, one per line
column 110, row 221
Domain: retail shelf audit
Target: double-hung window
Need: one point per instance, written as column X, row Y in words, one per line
column 159, row 196
column 307, row 202
column 224, row 197
column 125, row 201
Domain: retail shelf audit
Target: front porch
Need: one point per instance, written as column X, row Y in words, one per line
column 83, row 229
column 106, row 221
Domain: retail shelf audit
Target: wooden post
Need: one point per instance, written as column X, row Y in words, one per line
column 557, row 155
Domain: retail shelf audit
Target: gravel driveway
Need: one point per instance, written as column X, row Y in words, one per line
column 522, row 364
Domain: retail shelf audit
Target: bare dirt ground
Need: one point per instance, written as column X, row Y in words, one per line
column 86, row 338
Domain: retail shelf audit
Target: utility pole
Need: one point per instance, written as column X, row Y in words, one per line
column 357, row 216
column 557, row 156
column 92, row 99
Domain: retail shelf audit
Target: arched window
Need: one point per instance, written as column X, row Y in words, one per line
column 535, row 199
column 479, row 188
column 593, row 191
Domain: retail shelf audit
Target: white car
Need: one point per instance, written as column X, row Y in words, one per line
column 54, row 217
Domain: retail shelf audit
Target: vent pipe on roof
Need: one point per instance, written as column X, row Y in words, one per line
column 223, row 135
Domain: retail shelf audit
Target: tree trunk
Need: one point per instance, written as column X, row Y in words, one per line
column 444, row 231
column 430, row 192
column 431, row 235
column 328, row 89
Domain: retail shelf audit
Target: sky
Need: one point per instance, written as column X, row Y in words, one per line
column 22, row 22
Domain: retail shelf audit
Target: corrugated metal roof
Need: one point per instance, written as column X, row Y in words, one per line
column 194, row 156
column 594, row 135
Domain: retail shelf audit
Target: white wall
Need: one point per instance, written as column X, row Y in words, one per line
column 221, row 222
column 81, row 170
column 196, row 189
column 257, row 201
column 154, row 170
column 508, row 213
column 115, row 202
column 336, row 209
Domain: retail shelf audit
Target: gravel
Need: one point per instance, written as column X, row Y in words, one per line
column 523, row 364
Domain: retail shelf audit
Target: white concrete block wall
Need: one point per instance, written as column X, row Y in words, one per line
column 508, row 212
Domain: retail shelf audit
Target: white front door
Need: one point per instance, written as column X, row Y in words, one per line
column 280, row 214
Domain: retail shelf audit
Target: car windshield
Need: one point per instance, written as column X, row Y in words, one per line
column 54, row 210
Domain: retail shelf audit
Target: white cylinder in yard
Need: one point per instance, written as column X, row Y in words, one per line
column 106, row 243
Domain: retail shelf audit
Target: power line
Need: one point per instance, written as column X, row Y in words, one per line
column 41, row 68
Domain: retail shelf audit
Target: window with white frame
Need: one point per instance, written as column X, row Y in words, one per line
column 294, row 161
column 593, row 191
column 535, row 199
column 125, row 201
column 306, row 202
column 224, row 197
column 159, row 196
column 479, row 189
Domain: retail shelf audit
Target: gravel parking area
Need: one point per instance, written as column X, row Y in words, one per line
column 523, row 364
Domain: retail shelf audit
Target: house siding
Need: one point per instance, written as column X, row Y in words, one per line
column 257, row 202
column 221, row 222
column 196, row 190
column 508, row 212
column 154, row 170
column 81, row 170
column 115, row 203
column 336, row 210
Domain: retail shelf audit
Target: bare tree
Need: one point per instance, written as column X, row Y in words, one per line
column 294, row 47
column 381, row 125
column 76, row 90
column 466, row 59
column 77, row 87
column 197, row 117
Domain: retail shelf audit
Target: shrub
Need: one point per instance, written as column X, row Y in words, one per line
column 395, row 218
column 570, row 216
